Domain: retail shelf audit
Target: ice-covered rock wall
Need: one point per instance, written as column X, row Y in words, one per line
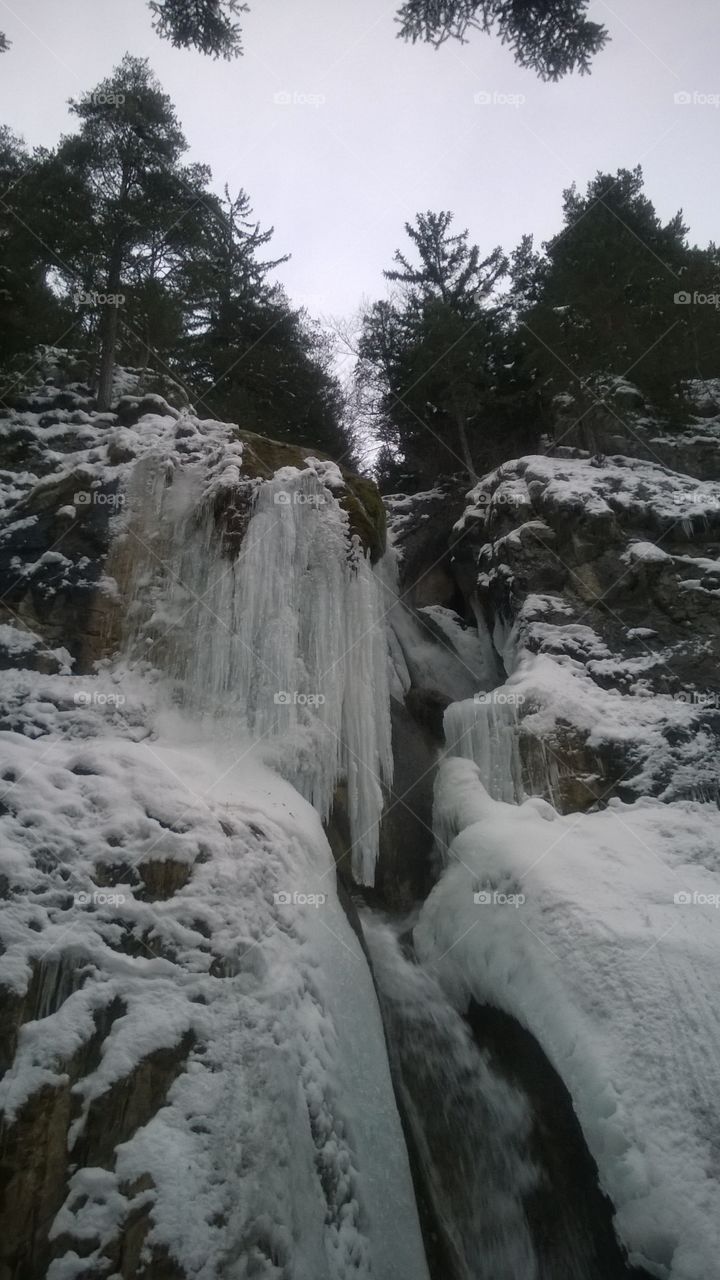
column 264, row 612
column 194, row 1072
column 486, row 729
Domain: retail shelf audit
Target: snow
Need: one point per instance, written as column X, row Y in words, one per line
column 646, row 551
column 404, row 512
column 487, row 731
column 588, row 488
column 281, row 638
column 583, row 931
column 280, row 1137
column 431, row 648
column 289, row 1050
column 253, row 682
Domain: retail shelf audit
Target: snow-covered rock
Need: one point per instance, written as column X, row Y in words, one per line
column 599, row 933
column 193, row 1050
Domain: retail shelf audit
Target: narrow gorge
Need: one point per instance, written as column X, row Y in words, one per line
column 359, row 858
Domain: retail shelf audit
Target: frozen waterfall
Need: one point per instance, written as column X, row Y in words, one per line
column 486, row 729
column 264, row 611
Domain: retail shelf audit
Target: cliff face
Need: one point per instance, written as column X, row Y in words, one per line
column 597, row 581
column 195, row 1080
column 211, row 660
column 64, row 469
column 589, row 581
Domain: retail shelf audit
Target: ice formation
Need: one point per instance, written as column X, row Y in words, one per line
column 270, row 626
column 485, row 729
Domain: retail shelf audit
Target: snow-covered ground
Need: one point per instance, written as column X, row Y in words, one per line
column 600, row 933
column 155, row 852
column 281, row 1137
column 279, row 1145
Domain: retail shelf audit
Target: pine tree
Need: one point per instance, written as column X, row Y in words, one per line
column 428, row 357
column 551, row 37
column 206, row 25
column 30, row 313
column 122, row 169
column 601, row 298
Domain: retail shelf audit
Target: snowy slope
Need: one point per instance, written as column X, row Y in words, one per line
column 600, row 933
column 176, row 969
column 280, row 1138
column 598, row 928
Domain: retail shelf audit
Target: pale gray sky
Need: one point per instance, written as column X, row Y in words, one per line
column 377, row 129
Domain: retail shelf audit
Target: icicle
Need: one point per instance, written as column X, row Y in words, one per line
column 279, row 633
column 486, row 729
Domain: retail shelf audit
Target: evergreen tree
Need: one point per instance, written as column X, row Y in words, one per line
column 438, row 364
column 601, row 297
column 552, row 37
column 261, row 364
column 122, row 170
column 30, row 313
column 206, row 25
column 145, row 261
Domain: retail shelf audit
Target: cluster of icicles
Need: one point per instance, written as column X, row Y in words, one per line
column 276, row 634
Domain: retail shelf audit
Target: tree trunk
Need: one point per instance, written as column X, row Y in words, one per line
column 464, row 443
column 107, row 357
column 109, row 328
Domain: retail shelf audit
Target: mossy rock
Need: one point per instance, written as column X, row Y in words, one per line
column 263, row 457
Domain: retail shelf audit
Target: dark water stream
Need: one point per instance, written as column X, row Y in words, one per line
column 508, row 1186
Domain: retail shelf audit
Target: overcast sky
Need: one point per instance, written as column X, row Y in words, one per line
column 376, row 129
